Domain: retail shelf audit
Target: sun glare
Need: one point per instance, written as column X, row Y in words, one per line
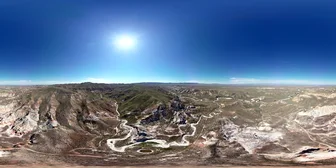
column 125, row 42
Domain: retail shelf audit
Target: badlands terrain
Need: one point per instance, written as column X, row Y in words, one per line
column 167, row 124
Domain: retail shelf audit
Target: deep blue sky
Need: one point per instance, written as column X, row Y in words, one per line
column 178, row 40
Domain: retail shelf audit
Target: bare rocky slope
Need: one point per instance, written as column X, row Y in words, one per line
column 55, row 117
column 130, row 124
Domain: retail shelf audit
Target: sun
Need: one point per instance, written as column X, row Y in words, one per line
column 125, row 42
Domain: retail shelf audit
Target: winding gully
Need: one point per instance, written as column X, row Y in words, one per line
column 159, row 142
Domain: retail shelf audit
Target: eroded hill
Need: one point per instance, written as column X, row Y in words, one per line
column 101, row 124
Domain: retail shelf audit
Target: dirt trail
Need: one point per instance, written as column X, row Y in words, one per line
column 160, row 143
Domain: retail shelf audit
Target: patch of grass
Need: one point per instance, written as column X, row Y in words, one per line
column 139, row 98
column 147, row 144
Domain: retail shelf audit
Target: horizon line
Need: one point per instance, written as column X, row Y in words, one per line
column 198, row 83
column 224, row 81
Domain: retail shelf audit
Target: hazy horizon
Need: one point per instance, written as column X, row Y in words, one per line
column 31, row 83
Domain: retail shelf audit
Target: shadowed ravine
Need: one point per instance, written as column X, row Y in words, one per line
column 160, row 143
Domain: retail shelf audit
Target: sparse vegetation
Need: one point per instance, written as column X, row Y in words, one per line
column 230, row 122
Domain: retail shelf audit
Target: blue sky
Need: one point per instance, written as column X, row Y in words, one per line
column 217, row 41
